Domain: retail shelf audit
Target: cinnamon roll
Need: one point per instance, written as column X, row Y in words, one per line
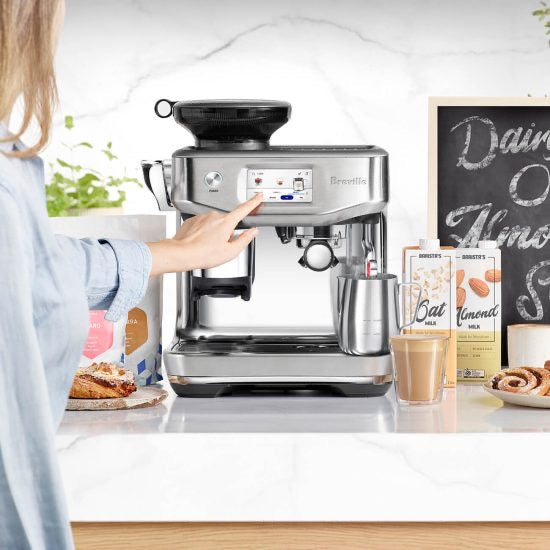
column 522, row 380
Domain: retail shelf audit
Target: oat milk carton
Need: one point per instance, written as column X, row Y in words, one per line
column 433, row 268
column 478, row 305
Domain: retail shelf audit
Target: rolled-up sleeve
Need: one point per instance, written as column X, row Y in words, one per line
column 115, row 272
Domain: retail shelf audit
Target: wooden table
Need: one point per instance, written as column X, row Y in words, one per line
column 302, row 536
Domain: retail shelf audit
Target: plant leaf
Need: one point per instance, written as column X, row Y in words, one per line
column 87, row 179
column 69, row 122
column 64, row 164
column 108, row 154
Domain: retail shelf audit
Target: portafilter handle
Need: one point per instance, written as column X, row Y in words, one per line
column 158, row 179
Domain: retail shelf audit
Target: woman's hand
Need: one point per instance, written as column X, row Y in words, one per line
column 204, row 241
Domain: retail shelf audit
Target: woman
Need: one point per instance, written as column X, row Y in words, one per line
column 47, row 284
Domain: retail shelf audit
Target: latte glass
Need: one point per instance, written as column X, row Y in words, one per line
column 419, row 367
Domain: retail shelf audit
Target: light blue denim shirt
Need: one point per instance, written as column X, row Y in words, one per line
column 47, row 284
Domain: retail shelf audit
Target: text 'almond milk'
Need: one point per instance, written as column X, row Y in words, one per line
column 433, row 268
column 478, row 310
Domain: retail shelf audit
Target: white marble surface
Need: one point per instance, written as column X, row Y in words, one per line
column 307, row 458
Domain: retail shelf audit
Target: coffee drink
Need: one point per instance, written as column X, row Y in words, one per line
column 419, row 367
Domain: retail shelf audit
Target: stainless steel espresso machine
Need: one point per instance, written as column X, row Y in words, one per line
column 269, row 318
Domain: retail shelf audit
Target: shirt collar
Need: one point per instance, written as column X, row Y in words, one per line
column 8, row 146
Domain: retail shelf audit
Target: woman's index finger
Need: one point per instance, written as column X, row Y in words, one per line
column 245, row 208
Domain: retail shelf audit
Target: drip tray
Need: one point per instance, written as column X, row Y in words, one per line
column 280, row 360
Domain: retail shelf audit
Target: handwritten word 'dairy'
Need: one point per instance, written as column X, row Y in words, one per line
column 514, row 140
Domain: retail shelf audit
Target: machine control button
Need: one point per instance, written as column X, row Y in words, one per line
column 298, row 184
column 287, row 197
column 213, row 179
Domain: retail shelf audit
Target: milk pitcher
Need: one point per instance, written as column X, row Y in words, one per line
column 369, row 313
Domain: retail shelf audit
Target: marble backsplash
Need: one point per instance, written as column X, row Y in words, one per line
column 354, row 71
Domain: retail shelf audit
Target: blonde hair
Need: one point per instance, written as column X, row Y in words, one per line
column 27, row 44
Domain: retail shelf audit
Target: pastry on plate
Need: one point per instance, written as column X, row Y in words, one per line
column 522, row 380
column 102, row 380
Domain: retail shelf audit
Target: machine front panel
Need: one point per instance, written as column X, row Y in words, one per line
column 317, row 191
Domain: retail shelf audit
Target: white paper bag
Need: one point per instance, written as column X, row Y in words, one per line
column 106, row 340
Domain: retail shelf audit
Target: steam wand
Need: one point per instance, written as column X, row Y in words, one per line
column 371, row 265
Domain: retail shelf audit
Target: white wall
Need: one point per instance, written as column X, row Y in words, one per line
column 354, row 71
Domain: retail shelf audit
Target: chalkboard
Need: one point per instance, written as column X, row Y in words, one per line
column 490, row 179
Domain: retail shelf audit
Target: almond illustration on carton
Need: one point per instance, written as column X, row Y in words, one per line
column 479, row 287
column 459, row 277
column 460, row 297
column 493, row 275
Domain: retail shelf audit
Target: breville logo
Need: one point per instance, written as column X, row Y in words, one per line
column 351, row 181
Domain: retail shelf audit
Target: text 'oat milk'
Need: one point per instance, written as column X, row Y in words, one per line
column 478, row 309
column 433, row 268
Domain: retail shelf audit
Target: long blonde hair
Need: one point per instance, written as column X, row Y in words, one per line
column 27, row 44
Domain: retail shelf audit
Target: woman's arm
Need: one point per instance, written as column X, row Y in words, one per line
column 115, row 272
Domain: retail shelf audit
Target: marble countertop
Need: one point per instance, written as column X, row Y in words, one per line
column 307, row 458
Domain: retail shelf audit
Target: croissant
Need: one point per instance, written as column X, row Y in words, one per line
column 102, row 380
column 522, row 380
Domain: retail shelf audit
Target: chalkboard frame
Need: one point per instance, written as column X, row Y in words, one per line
column 433, row 139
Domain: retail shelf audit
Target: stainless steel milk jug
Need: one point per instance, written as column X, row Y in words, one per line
column 368, row 313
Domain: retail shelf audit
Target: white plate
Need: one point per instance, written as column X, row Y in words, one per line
column 539, row 401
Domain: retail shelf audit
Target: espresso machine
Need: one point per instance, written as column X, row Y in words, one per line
column 269, row 319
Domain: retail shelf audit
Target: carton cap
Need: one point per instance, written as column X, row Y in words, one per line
column 487, row 244
column 429, row 244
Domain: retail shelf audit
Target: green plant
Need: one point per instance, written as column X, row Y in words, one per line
column 543, row 14
column 72, row 186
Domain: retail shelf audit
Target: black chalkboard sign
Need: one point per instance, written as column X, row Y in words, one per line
column 490, row 179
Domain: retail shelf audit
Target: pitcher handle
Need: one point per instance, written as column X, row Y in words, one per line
column 157, row 177
column 399, row 286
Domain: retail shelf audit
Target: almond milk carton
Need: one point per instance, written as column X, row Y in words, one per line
column 478, row 305
column 433, row 268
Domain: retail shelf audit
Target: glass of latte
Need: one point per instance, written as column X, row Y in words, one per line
column 419, row 367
